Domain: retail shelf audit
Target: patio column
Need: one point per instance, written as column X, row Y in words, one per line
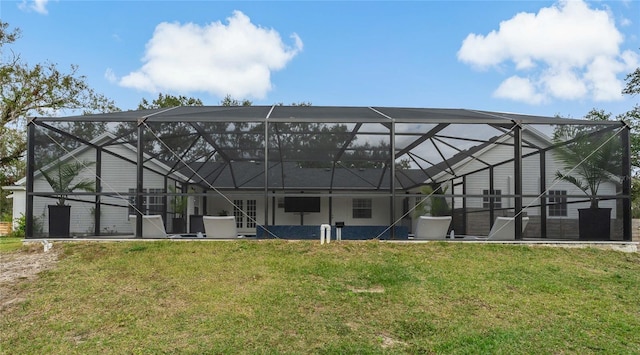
column 543, row 189
column 31, row 133
column 517, row 181
column 96, row 217
column 626, row 183
column 165, row 201
column 464, row 205
column 492, row 198
column 392, row 143
column 266, row 175
column 140, row 176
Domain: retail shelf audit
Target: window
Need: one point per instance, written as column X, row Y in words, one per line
column 151, row 204
column 132, row 202
column 251, row 213
column 361, row 208
column 238, row 205
column 486, row 200
column 155, row 204
column 246, row 218
column 557, row 203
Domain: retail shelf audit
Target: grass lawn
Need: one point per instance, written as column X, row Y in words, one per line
column 342, row 298
column 10, row 244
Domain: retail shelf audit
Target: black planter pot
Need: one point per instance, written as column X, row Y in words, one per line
column 595, row 223
column 196, row 224
column 178, row 225
column 59, row 217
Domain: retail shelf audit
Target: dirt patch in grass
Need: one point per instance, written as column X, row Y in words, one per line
column 388, row 341
column 374, row 289
column 21, row 266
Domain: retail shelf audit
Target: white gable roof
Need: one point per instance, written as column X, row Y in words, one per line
column 102, row 138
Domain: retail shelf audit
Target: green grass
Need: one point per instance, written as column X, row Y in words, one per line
column 343, row 298
column 10, row 244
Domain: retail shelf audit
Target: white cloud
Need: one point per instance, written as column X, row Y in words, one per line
column 39, row 6
column 563, row 83
column 625, row 22
column 519, row 89
column 235, row 59
column 569, row 51
column 110, row 76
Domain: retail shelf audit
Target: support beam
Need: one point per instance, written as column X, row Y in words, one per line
column 492, row 198
column 392, row 178
column 140, row 179
column 464, row 205
column 543, row 193
column 423, row 138
column 266, row 174
column 517, row 177
column 626, row 184
column 31, row 134
column 98, row 205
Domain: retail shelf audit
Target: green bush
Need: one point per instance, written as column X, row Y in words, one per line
column 20, row 227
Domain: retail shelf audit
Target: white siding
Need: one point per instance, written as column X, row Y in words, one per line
column 342, row 210
column 118, row 176
column 19, row 198
column 504, row 180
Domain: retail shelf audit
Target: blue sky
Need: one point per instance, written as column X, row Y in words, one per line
column 532, row 57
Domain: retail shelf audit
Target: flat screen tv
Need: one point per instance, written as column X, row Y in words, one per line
column 302, row 204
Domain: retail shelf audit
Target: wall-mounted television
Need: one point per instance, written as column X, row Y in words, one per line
column 302, row 204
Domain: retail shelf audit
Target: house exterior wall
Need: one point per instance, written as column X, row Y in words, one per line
column 504, row 181
column 19, row 198
column 342, row 210
column 118, row 176
column 121, row 176
column 477, row 216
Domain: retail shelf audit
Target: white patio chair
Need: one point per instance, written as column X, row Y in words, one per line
column 504, row 228
column 152, row 226
column 432, row 227
column 220, row 227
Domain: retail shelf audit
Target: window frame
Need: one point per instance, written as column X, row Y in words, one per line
column 486, row 200
column 362, row 208
column 148, row 201
column 557, row 203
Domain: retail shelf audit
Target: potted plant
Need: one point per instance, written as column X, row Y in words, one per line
column 436, row 205
column 589, row 158
column 63, row 180
column 178, row 206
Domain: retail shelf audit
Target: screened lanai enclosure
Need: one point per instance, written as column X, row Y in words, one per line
column 283, row 171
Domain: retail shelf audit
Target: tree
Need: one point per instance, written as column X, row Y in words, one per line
column 590, row 157
column 633, row 118
column 301, row 103
column 164, row 101
column 182, row 137
column 62, row 179
column 41, row 89
column 229, row 101
column 633, row 83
